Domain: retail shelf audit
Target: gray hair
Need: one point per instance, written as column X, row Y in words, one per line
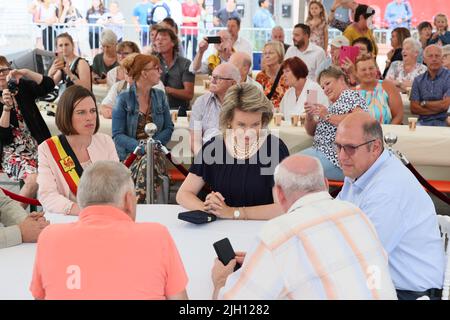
column 278, row 28
column 446, row 50
column 231, row 71
column 373, row 130
column 108, row 37
column 290, row 182
column 415, row 44
column 432, row 46
column 104, row 182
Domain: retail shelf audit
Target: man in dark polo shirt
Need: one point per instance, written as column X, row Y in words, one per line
column 177, row 79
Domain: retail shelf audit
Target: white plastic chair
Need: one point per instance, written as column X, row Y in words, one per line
column 444, row 224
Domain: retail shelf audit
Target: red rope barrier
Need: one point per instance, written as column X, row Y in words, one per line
column 17, row 197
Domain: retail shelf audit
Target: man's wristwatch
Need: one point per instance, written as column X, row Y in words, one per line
column 423, row 103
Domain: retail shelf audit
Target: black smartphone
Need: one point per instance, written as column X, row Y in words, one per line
column 225, row 252
column 215, row 39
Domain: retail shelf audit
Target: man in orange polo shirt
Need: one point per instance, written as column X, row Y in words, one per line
column 106, row 255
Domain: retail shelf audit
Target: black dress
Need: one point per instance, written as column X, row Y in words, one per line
column 397, row 56
column 243, row 183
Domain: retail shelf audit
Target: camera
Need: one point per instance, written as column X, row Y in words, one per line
column 12, row 86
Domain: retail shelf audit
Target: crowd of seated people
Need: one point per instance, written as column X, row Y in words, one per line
column 230, row 140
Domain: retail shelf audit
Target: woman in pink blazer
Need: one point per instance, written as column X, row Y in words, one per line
column 62, row 158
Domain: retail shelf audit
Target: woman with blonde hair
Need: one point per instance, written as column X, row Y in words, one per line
column 272, row 58
column 237, row 165
column 382, row 97
column 134, row 108
column 322, row 122
column 122, row 85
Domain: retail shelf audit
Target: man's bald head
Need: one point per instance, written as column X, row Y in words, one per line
column 227, row 70
column 296, row 176
column 243, row 62
column 224, row 35
column 224, row 76
column 240, row 59
column 356, row 120
column 359, row 142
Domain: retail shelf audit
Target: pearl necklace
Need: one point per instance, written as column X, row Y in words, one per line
column 244, row 153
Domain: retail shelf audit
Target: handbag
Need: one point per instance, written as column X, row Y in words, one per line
column 197, row 216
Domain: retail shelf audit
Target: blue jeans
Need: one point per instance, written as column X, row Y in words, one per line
column 434, row 123
column 331, row 171
column 435, row 120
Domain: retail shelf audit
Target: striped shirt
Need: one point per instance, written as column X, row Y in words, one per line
column 205, row 116
column 321, row 249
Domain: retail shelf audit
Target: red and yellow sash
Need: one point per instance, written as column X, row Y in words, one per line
column 67, row 161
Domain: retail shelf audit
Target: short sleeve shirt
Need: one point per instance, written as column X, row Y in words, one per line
column 141, row 11
column 205, row 115
column 243, row 183
column 326, row 132
column 224, row 15
column 174, row 77
column 397, row 71
column 110, row 256
column 99, row 66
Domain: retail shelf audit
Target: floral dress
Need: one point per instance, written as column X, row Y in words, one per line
column 317, row 34
column 20, row 156
column 267, row 83
column 325, row 133
column 139, row 166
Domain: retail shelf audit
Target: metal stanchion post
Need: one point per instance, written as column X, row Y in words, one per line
column 150, row 129
column 390, row 139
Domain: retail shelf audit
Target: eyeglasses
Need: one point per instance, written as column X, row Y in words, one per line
column 216, row 78
column 123, row 53
column 158, row 68
column 348, row 148
column 5, row 70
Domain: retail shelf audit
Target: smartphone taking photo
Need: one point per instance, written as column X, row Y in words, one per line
column 311, row 96
column 215, row 39
column 350, row 52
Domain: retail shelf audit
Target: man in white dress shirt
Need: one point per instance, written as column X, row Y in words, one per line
column 310, row 53
column 239, row 43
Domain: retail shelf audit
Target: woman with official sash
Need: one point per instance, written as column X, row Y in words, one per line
column 62, row 158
